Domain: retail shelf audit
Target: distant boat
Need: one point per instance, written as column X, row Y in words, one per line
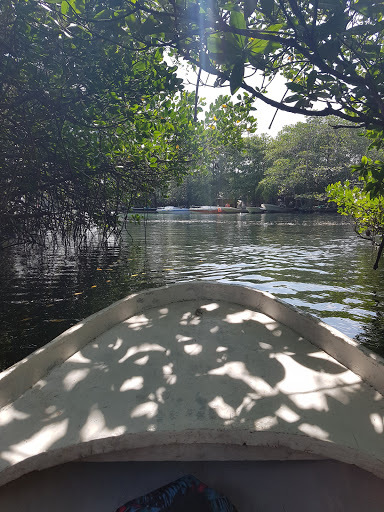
column 229, row 209
column 276, row 208
column 172, row 209
column 255, row 209
column 205, row 209
column 144, row 210
column 217, row 209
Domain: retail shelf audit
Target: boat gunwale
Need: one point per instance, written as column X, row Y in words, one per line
column 222, row 439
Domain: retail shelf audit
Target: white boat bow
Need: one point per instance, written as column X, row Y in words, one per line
column 194, row 371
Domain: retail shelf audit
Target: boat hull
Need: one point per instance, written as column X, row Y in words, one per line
column 275, row 208
column 255, row 209
column 205, row 209
column 217, row 209
column 190, row 371
column 144, row 210
column 228, row 209
column 172, row 209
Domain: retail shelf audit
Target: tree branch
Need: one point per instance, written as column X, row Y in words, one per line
column 379, row 253
column 197, row 95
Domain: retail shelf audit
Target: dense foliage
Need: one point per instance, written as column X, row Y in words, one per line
column 224, row 145
column 86, row 128
column 294, row 167
column 367, row 212
column 234, row 175
column 85, row 92
column 329, row 51
column 230, row 164
column 304, row 158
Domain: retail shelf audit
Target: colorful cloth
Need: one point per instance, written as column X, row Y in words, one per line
column 187, row 494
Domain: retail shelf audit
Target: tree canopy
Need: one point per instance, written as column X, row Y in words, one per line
column 86, row 128
column 85, row 89
column 329, row 51
column 304, row 158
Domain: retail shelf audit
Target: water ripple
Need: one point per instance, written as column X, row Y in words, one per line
column 315, row 263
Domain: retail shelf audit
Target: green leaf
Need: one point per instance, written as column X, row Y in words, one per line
column 291, row 99
column 294, row 86
column 237, row 20
column 257, row 46
column 214, row 43
column 102, row 14
column 311, row 79
column 141, row 66
column 236, row 78
column 64, row 7
column 275, row 28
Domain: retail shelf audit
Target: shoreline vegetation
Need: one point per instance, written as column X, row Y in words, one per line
column 94, row 121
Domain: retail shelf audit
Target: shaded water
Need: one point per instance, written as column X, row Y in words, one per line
column 314, row 262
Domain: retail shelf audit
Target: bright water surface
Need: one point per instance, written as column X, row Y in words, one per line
column 315, row 262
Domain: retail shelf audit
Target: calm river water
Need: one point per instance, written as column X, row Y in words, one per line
column 315, row 262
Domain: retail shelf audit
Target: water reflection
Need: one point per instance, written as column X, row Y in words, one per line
column 313, row 262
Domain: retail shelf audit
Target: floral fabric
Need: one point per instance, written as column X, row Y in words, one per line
column 187, row 494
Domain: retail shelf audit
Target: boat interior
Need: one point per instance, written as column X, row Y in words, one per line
column 252, row 486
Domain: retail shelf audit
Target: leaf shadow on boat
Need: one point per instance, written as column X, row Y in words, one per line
column 166, row 377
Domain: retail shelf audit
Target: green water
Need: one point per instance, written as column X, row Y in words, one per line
column 314, row 262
